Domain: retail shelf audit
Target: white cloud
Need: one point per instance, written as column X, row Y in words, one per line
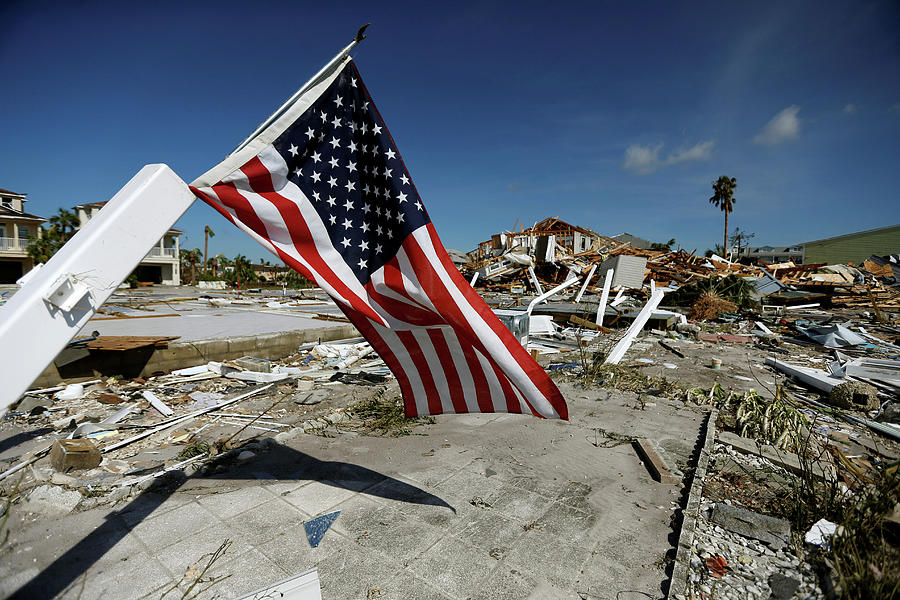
column 850, row 109
column 783, row 127
column 646, row 159
column 699, row 151
column 642, row 159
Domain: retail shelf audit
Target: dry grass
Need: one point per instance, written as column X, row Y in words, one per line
column 709, row 306
column 382, row 416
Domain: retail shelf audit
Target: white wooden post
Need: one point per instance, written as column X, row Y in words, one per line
column 586, row 281
column 601, row 310
column 59, row 299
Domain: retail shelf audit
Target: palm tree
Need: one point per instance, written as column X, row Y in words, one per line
column 63, row 226
column 217, row 261
column 723, row 198
column 191, row 258
column 207, row 233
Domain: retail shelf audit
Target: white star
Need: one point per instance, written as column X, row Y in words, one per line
column 364, row 227
column 376, row 130
column 352, row 146
column 353, row 126
column 316, row 177
column 362, row 264
column 351, row 166
column 322, row 137
column 419, row 204
column 316, row 157
column 404, row 179
column 390, row 153
column 298, row 172
column 400, row 217
column 324, row 116
column 387, row 193
column 338, row 101
column 353, row 81
column 332, row 219
column 364, row 245
column 366, row 189
column 316, row 196
column 348, row 204
column 293, row 150
column 378, row 210
column 387, row 173
column 336, row 123
column 347, row 223
column 401, row 197
column 350, row 185
column 332, row 181
column 365, row 106
column 346, row 242
column 378, row 248
column 389, row 234
column 365, row 127
column 334, row 142
column 367, row 207
column 331, row 201
column 333, row 162
column 310, row 133
column 379, row 230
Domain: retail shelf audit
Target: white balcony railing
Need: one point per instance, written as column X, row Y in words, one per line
column 166, row 252
column 13, row 244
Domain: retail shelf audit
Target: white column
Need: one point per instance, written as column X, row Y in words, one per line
column 601, row 310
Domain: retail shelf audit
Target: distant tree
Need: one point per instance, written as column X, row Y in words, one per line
column 295, row 280
column 717, row 250
column 659, row 246
column 216, row 262
column 63, row 226
column 739, row 239
column 189, row 260
column 241, row 272
column 207, row 233
column 723, row 198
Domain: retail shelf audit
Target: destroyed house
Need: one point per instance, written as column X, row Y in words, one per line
column 571, row 238
column 17, row 228
column 634, row 240
column 162, row 263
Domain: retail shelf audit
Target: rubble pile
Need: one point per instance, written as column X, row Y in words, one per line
column 105, row 440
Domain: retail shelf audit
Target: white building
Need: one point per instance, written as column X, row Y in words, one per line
column 162, row 263
column 17, row 228
column 774, row 254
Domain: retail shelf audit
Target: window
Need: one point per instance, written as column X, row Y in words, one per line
column 24, row 232
column 6, row 202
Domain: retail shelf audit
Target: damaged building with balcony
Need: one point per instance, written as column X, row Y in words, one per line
column 17, row 228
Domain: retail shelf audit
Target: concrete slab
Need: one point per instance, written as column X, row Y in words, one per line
column 481, row 506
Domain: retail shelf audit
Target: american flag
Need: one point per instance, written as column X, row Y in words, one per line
column 325, row 189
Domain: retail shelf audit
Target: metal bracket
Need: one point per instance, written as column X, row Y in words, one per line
column 66, row 293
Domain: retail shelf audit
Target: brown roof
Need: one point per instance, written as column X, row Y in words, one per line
column 8, row 212
column 2, row 191
column 553, row 224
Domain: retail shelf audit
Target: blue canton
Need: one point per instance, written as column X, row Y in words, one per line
column 342, row 157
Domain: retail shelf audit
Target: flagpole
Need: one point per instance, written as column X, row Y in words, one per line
column 323, row 72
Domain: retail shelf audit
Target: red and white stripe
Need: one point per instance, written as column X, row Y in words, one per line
column 447, row 349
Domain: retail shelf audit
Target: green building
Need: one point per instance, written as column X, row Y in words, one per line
column 853, row 247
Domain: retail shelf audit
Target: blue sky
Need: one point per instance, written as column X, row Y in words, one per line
column 613, row 115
